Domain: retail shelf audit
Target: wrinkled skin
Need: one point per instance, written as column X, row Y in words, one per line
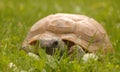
column 51, row 44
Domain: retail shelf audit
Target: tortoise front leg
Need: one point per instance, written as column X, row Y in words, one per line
column 76, row 52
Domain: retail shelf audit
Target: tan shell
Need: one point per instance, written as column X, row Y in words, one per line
column 80, row 29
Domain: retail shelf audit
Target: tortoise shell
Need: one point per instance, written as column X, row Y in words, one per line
column 79, row 29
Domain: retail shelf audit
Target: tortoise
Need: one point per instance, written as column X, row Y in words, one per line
column 73, row 30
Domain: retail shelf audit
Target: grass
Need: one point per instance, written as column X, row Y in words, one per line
column 17, row 16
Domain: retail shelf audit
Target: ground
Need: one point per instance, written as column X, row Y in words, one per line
column 17, row 16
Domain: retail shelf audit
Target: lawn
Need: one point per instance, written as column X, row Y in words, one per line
column 17, row 16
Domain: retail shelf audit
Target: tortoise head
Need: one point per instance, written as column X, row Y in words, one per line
column 50, row 44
